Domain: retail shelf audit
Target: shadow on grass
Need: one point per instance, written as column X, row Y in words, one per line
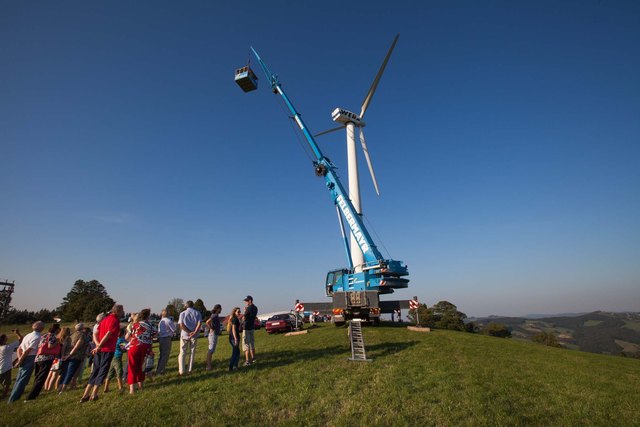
column 275, row 359
column 388, row 348
column 389, row 324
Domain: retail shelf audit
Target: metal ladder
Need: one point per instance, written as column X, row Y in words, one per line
column 358, row 353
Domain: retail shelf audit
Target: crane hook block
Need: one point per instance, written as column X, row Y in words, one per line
column 246, row 79
column 320, row 169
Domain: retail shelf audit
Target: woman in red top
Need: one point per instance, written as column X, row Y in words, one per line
column 140, row 339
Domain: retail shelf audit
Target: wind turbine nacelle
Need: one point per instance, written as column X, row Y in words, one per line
column 345, row 116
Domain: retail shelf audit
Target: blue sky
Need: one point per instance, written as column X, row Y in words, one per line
column 505, row 137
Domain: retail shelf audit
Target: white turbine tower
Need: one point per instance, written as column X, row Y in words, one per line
column 350, row 121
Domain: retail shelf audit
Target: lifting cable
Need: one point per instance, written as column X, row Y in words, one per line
column 371, row 227
column 296, row 130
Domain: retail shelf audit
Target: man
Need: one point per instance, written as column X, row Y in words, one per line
column 190, row 322
column 166, row 330
column 248, row 325
column 26, row 360
column 213, row 323
column 106, row 338
column 6, row 359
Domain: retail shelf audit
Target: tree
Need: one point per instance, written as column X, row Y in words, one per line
column 199, row 306
column 25, row 316
column 471, row 327
column 447, row 316
column 442, row 315
column 171, row 311
column 546, row 338
column 85, row 301
column 497, row 330
column 18, row 316
column 175, row 307
column 425, row 316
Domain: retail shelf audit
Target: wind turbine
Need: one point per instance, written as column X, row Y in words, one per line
column 349, row 121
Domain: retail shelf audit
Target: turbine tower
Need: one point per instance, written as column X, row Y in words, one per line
column 350, row 121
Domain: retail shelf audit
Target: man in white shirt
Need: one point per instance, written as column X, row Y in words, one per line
column 26, row 360
column 6, row 360
column 190, row 322
column 166, row 330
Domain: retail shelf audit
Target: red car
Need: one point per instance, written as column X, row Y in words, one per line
column 281, row 323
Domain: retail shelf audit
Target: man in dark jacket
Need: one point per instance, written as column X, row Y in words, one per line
column 248, row 325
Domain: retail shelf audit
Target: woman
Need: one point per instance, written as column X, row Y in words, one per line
column 48, row 350
column 64, row 338
column 213, row 323
column 76, row 356
column 233, row 327
column 140, row 339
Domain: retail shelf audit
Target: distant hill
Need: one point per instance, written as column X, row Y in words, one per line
column 542, row 316
column 597, row 332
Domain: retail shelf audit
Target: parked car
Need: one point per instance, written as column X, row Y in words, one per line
column 281, row 323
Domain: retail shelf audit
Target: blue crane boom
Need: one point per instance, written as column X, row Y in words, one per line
column 354, row 290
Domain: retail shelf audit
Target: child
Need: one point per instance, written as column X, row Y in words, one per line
column 148, row 364
column 7, row 352
column 116, row 363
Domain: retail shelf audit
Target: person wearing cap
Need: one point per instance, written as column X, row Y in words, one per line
column 248, row 326
column 190, row 321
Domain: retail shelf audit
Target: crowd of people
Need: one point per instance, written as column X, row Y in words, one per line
column 59, row 357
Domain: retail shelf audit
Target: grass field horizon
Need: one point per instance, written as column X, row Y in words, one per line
column 436, row 378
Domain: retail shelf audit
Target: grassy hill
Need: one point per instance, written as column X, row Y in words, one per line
column 597, row 332
column 437, row 378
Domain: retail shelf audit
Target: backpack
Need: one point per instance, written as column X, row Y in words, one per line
column 45, row 350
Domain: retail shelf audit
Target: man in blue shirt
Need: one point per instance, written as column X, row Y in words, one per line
column 248, row 325
column 190, row 322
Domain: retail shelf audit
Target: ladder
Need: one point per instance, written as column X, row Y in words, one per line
column 358, row 353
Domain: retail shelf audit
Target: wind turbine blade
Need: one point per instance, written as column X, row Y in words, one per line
column 328, row 131
column 366, row 155
column 374, row 85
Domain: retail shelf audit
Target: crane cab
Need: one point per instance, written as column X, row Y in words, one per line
column 336, row 281
column 246, row 79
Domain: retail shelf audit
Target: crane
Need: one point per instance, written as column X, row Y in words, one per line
column 354, row 290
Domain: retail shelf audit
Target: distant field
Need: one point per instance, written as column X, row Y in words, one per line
column 635, row 325
column 437, row 378
column 592, row 322
column 597, row 332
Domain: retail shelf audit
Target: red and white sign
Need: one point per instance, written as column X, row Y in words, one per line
column 413, row 304
column 316, row 313
column 299, row 307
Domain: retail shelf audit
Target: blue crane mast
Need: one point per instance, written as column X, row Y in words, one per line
column 355, row 290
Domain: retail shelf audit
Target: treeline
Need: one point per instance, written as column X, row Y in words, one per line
column 25, row 316
column 445, row 315
column 85, row 301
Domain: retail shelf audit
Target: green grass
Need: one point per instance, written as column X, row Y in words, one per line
column 632, row 325
column 592, row 322
column 437, row 378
